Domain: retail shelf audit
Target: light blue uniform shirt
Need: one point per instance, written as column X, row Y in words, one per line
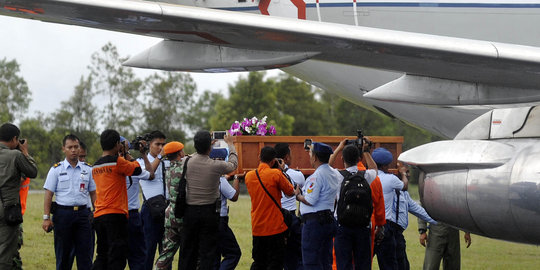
column 154, row 187
column 71, row 185
column 389, row 183
column 289, row 203
column 227, row 192
column 133, row 190
column 321, row 189
column 406, row 205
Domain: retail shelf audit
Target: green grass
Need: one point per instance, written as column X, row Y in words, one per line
column 484, row 253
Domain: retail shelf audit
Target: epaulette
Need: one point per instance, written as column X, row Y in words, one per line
column 88, row 164
column 57, row 164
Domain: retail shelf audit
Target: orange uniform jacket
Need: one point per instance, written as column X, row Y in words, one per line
column 266, row 218
column 23, row 193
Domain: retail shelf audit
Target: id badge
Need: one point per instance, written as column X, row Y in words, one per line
column 82, row 187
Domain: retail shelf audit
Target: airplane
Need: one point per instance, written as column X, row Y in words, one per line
column 464, row 70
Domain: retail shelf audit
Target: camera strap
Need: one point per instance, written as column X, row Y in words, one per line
column 163, row 173
column 265, row 190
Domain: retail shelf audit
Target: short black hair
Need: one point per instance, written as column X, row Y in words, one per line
column 156, row 134
column 282, row 149
column 70, row 137
column 322, row 157
column 173, row 156
column 83, row 145
column 268, row 154
column 351, row 155
column 202, row 142
column 109, row 139
column 8, row 131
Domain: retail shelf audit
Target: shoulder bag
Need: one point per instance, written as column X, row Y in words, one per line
column 287, row 216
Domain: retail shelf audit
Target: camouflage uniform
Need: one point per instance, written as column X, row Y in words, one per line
column 173, row 225
column 17, row 262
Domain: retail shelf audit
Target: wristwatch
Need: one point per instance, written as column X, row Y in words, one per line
column 46, row 217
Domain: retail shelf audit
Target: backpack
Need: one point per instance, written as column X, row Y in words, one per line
column 354, row 207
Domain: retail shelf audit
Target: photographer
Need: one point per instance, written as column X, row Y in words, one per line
column 110, row 217
column 156, row 197
column 137, row 247
column 13, row 163
column 201, row 217
column 71, row 181
column 268, row 227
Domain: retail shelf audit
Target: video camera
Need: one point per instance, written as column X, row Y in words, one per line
column 136, row 144
column 360, row 140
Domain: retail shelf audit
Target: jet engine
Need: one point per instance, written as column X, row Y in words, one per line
column 487, row 180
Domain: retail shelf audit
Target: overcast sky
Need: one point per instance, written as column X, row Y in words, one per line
column 53, row 57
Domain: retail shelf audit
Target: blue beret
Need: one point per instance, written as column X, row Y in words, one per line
column 218, row 153
column 322, row 148
column 382, row 156
column 122, row 139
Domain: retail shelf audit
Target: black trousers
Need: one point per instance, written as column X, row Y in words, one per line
column 268, row 252
column 200, row 237
column 112, row 241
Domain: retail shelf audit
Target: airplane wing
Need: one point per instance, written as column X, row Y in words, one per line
column 292, row 41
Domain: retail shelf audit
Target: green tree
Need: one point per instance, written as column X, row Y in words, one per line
column 14, row 93
column 119, row 86
column 251, row 96
column 296, row 99
column 169, row 102
column 199, row 118
column 78, row 113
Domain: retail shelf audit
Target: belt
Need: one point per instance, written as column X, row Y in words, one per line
column 293, row 212
column 395, row 226
column 74, row 208
column 317, row 215
column 133, row 211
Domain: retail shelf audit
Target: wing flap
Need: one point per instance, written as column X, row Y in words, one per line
column 419, row 54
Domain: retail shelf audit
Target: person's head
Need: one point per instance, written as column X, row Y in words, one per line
column 9, row 135
column 268, row 155
column 203, row 142
column 351, row 155
column 156, row 142
column 283, row 151
column 71, row 147
column 110, row 140
column 382, row 157
column 319, row 153
column 82, row 151
column 174, row 150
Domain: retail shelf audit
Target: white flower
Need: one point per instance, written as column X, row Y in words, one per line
column 254, row 120
column 263, row 120
column 248, row 129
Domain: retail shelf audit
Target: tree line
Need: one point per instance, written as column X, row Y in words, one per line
column 113, row 96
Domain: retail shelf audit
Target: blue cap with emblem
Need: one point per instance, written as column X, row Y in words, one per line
column 382, row 156
column 122, row 139
column 218, row 153
column 322, row 148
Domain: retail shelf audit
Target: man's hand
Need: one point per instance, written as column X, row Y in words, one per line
column 297, row 190
column 47, row 225
column 228, row 138
column 24, row 147
column 403, row 170
column 467, row 237
column 423, row 239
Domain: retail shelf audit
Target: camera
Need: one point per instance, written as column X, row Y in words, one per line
column 21, row 141
column 307, row 144
column 359, row 141
column 136, row 144
column 218, row 135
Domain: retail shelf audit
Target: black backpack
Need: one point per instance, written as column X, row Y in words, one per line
column 354, row 207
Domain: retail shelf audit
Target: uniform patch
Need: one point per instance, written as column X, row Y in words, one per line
column 57, row 164
column 310, row 187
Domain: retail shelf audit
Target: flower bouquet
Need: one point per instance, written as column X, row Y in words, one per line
column 252, row 126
